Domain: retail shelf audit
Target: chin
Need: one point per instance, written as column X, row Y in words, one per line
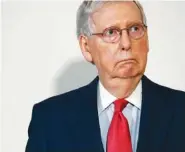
column 128, row 74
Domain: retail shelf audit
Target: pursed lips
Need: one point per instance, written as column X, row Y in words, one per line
column 127, row 61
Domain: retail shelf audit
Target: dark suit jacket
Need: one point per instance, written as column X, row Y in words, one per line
column 69, row 122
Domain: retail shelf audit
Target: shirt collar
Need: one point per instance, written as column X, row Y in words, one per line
column 105, row 99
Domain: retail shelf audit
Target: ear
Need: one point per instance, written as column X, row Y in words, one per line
column 147, row 40
column 84, row 45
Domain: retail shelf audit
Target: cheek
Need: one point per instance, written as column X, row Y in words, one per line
column 141, row 49
column 108, row 56
column 104, row 52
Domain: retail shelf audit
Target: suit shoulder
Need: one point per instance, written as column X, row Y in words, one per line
column 177, row 95
column 62, row 100
column 168, row 89
column 171, row 91
column 176, row 98
column 157, row 86
column 67, row 102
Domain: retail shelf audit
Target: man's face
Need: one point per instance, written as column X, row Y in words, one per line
column 125, row 58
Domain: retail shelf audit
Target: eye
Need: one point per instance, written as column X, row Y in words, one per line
column 136, row 31
column 111, row 32
column 135, row 28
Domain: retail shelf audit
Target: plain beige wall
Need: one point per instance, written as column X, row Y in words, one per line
column 41, row 56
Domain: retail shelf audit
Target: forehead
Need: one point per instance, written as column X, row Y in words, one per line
column 120, row 14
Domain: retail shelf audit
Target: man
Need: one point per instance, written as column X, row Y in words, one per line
column 121, row 110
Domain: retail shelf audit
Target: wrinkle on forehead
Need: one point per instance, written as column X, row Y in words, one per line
column 105, row 8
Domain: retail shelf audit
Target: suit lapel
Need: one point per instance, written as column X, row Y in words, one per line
column 88, row 122
column 94, row 111
column 156, row 113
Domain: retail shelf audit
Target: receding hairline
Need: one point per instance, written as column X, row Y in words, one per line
column 108, row 2
column 84, row 21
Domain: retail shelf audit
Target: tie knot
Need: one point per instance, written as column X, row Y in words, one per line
column 120, row 104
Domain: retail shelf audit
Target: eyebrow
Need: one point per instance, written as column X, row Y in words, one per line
column 129, row 23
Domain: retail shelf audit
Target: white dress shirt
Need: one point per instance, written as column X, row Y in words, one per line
column 131, row 112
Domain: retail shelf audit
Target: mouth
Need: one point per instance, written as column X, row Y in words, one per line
column 127, row 61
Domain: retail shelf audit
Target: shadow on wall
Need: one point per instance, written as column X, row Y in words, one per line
column 72, row 75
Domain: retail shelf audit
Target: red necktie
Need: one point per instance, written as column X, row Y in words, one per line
column 118, row 138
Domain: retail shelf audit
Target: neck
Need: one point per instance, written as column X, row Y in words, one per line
column 121, row 87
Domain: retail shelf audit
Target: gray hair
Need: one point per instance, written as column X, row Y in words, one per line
column 83, row 20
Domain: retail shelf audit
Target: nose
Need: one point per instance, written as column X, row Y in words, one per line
column 125, row 42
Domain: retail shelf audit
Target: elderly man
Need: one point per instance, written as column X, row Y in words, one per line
column 121, row 110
